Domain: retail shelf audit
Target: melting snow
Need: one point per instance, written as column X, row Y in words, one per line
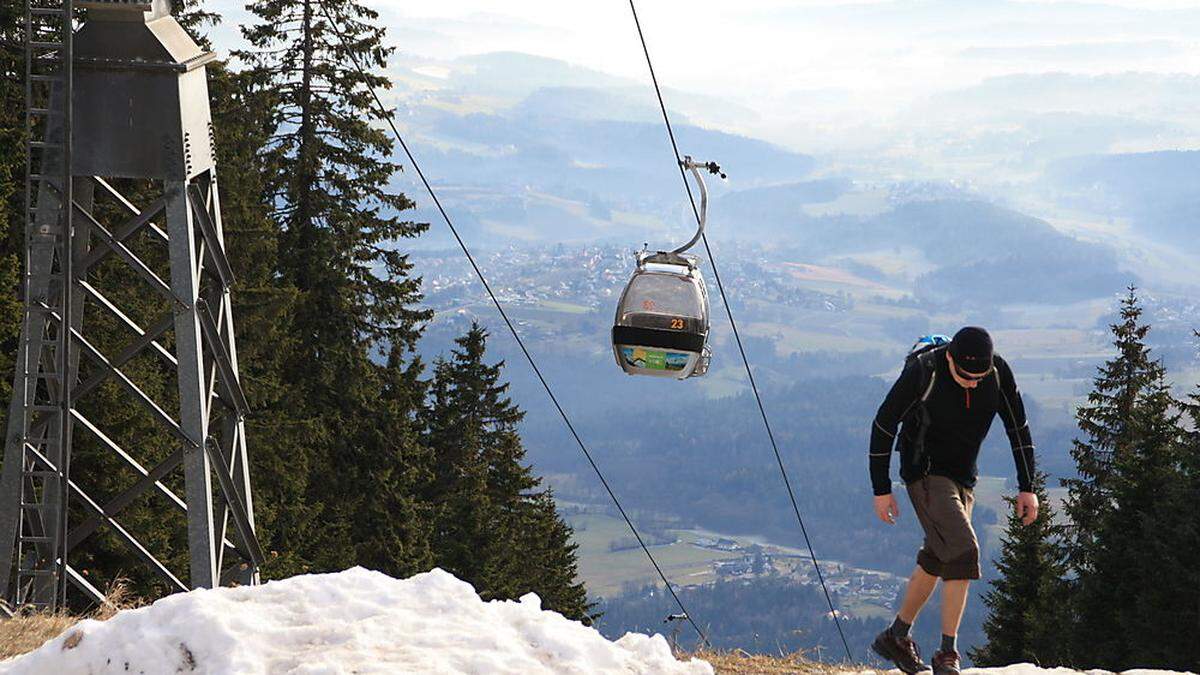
column 355, row 621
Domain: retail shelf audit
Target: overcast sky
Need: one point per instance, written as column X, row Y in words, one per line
column 845, row 77
column 717, row 45
column 780, row 53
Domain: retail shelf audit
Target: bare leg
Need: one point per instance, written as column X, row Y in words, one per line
column 920, row 587
column 954, row 601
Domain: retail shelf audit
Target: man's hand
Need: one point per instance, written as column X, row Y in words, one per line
column 887, row 509
column 1027, row 507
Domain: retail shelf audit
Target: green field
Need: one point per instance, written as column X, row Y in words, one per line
column 564, row 307
column 865, row 610
column 605, row 572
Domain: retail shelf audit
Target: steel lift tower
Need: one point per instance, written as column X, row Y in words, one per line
column 122, row 100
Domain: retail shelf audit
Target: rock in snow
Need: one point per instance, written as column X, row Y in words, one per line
column 355, row 621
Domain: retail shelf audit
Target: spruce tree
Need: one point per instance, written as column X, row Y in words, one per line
column 280, row 467
column 1126, row 458
column 1184, row 603
column 459, row 426
column 328, row 168
column 1105, row 424
column 1141, row 535
column 554, row 563
column 1025, row 604
column 495, row 526
column 1163, row 619
column 12, row 196
column 393, row 528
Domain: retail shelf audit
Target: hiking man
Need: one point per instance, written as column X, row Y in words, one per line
column 946, row 399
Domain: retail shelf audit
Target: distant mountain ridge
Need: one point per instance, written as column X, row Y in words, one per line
column 1157, row 190
column 557, row 153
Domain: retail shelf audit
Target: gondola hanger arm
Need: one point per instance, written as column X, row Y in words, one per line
column 713, row 168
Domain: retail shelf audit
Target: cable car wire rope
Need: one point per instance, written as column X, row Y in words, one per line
column 737, row 336
column 388, row 116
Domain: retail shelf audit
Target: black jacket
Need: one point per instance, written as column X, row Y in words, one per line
column 959, row 421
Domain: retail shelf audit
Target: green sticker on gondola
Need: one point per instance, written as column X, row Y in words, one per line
column 656, row 360
column 653, row 359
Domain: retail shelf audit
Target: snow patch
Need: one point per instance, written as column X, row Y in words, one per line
column 356, row 621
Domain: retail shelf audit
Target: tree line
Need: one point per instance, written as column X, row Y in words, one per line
column 1114, row 583
column 361, row 453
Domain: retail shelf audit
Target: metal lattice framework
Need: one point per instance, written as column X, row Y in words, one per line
column 123, row 99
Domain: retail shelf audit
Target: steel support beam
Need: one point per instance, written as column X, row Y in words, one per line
column 193, row 403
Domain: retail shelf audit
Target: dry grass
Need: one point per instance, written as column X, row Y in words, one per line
column 22, row 634
column 738, row 662
column 26, row 632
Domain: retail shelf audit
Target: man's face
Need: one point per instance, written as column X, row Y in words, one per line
column 964, row 379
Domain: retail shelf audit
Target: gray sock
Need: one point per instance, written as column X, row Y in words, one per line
column 899, row 628
column 950, row 643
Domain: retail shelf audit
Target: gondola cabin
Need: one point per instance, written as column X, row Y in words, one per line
column 661, row 326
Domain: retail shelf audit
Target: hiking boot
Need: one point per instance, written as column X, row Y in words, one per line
column 945, row 663
column 901, row 651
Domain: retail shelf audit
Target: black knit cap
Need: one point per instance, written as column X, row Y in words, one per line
column 972, row 350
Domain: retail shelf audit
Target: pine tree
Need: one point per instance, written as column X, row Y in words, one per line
column 1184, row 603
column 12, row 172
column 1025, row 603
column 495, row 527
column 1164, row 617
column 554, row 565
column 1142, row 535
column 1127, row 457
column 328, row 172
column 263, row 307
column 394, row 527
column 459, row 426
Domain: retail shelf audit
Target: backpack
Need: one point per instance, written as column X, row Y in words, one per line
column 924, row 352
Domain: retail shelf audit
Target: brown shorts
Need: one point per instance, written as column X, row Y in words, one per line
column 951, row 550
